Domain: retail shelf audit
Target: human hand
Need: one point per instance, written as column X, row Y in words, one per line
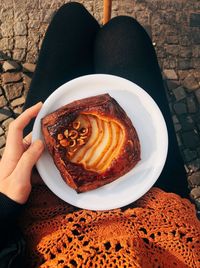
column 19, row 158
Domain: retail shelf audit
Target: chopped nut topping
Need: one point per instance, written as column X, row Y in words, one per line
column 83, row 137
column 73, row 137
column 72, row 143
column 64, row 143
column 73, row 134
column 76, row 125
column 66, row 133
column 84, row 131
column 80, row 141
column 60, row 137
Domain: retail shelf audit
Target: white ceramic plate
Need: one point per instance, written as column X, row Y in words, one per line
column 150, row 126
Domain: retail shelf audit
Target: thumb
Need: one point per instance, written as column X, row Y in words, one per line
column 19, row 185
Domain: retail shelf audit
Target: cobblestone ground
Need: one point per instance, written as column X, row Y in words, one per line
column 174, row 26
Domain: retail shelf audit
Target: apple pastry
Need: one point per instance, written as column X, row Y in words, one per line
column 92, row 142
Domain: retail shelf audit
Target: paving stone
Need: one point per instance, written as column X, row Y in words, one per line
column 191, row 105
column 173, row 50
column 7, row 122
column 195, row 193
column 170, row 74
column 6, row 43
column 177, row 127
column 184, row 40
column 195, row 63
column 3, row 101
column 182, row 74
column 27, row 81
column 169, row 63
column 18, row 101
column 197, row 73
column 11, row 77
column 21, row 13
column 197, row 203
column 190, row 83
column 3, row 56
column 190, row 139
column 180, row 108
column 186, row 122
column 194, row 179
column 175, row 119
column 32, row 55
column 13, row 90
column 4, row 113
column 10, row 65
column 33, row 40
column 2, row 141
column 189, row 155
column 29, row 67
column 179, row 93
column 6, row 29
column 172, row 39
column 48, row 15
column 195, row 20
column 172, row 84
column 195, row 51
column 197, row 94
column 20, row 28
column 18, row 110
column 185, row 52
column 184, row 64
column 194, row 165
column 20, row 42
column 19, row 54
column 35, row 24
column 196, row 37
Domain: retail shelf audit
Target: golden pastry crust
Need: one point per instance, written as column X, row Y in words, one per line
column 92, row 142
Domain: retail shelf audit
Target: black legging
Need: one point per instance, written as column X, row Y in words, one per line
column 76, row 45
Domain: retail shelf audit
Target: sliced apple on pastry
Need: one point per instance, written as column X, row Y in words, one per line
column 92, row 141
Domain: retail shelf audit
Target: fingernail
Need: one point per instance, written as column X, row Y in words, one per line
column 39, row 103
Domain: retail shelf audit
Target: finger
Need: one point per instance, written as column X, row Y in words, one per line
column 27, row 141
column 9, row 166
column 14, row 145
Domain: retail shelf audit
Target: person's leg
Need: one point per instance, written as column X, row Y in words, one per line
column 123, row 48
column 66, row 52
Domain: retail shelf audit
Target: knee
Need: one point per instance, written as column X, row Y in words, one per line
column 127, row 20
column 125, row 23
column 126, row 26
column 72, row 8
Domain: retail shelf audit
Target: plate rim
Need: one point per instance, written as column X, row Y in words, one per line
column 69, row 84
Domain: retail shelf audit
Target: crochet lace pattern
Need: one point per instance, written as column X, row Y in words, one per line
column 159, row 230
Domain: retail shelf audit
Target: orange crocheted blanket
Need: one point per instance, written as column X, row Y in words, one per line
column 159, row 230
